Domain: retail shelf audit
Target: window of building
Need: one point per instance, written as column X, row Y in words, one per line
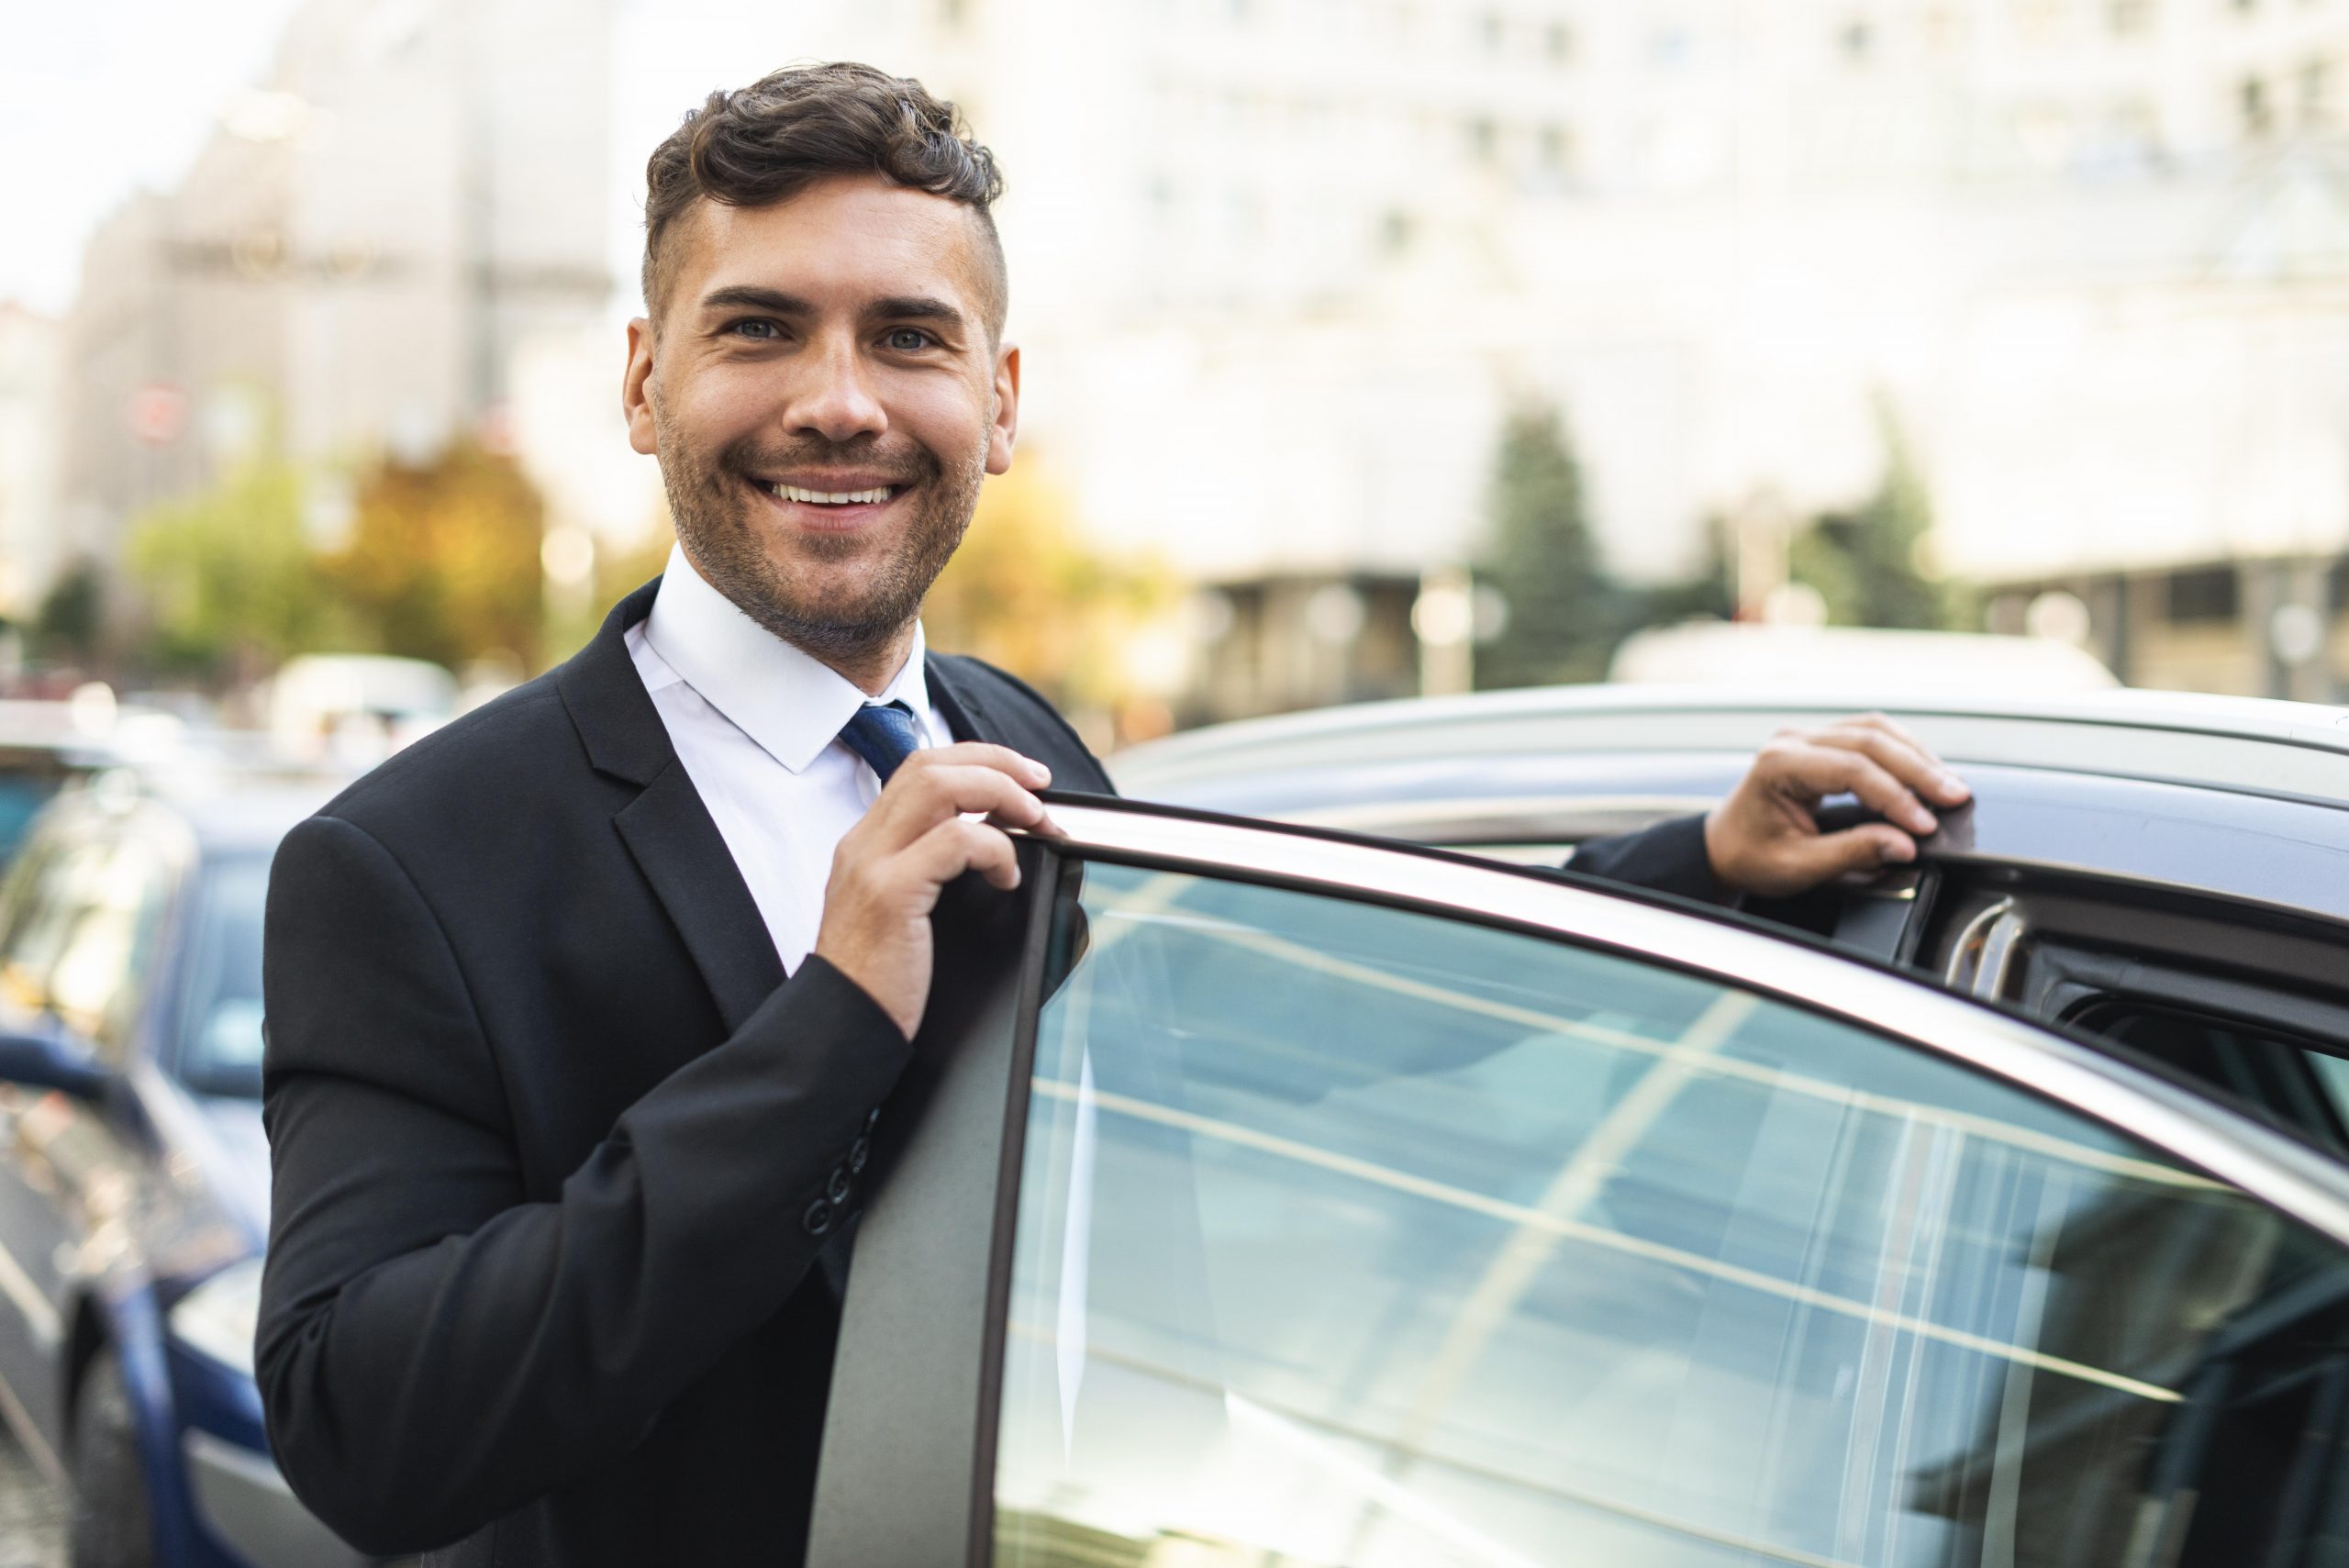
column 1557, row 146
column 1492, row 29
column 2206, row 593
column 1558, row 42
column 1484, row 139
column 2251, row 97
column 2316, row 93
column 2130, row 19
column 2038, row 20
column 1858, row 41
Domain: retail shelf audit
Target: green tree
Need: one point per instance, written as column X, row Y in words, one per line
column 1867, row 563
column 1566, row 614
column 228, row 573
column 72, row 615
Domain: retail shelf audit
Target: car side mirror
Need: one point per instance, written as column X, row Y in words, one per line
column 49, row 1062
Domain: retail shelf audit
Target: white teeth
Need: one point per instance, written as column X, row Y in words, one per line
column 829, row 498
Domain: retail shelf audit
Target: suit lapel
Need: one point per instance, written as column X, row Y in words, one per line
column 668, row 830
column 952, row 698
column 681, row 852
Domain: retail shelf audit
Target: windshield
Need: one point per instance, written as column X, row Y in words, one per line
column 220, row 1026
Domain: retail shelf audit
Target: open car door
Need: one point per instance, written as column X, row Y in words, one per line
column 1278, row 1198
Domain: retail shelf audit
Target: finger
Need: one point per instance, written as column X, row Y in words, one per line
column 958, row 845
column 1809, row 862
column 981, row 754
column 938, row 792
column 1820, row 770
column 1919, row 770
column 1937, row 781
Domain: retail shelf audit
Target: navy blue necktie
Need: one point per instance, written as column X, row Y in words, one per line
column 884, row 735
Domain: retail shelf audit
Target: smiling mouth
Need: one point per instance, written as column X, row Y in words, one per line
column 830, row 497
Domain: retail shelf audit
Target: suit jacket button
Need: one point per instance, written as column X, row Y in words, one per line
column 818, row 1218
column 837, row 1189
column 858, row 1153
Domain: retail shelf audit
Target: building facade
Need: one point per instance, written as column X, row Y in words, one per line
column 349, row 267
column 1281, row 266
column 32, row 369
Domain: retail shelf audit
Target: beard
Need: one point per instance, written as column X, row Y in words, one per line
column 711, row 500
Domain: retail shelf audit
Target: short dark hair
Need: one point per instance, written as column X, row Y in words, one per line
column 765, row 143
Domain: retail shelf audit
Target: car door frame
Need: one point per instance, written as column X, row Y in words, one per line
column 908, row 1463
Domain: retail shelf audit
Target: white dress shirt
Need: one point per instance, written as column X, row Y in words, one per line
column 757, row 723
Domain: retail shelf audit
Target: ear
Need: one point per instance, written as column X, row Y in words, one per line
column 1007, row 409
column 636, row 394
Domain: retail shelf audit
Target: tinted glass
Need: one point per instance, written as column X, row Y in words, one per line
column 220, row 1038
column 2295, row 1080
column 1349, row 1234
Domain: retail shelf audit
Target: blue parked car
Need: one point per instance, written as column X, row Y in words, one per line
column 134, row 1177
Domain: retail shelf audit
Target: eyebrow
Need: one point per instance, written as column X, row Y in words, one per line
column 895, row 308
column 744, row 296
column 917, row 308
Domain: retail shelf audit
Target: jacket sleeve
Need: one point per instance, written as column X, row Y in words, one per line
column 1667, row 858
column 434, row 1351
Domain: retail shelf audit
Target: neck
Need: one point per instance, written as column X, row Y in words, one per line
column 867, row 661
column 870, row 671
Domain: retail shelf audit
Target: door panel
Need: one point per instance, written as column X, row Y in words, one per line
column 1348, row 1234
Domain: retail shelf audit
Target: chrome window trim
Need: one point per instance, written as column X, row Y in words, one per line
column 2263, row 1163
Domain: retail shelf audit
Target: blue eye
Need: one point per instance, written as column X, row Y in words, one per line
column 756, row 326
column 909, row 339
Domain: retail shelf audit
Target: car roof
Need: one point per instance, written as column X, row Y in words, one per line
column 2292, row 750
column 225, row 814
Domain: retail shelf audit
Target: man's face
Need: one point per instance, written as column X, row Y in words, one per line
column 824, row 397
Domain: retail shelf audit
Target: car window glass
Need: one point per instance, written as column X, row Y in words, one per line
column 27, row 895
column 59, row 889
column 2292, row 1079
column 107, row 961
column 82, row 946
column 1353, row 1235
column 220, row 1038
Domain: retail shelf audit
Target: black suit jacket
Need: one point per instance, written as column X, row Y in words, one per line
column 556, row 1144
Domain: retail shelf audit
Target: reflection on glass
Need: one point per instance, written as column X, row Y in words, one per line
column 1351, row 1236
column 220, row 1047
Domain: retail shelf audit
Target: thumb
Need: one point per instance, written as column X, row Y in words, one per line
column 1808, row 861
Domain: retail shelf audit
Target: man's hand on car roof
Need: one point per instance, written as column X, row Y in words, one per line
column 1764, row 839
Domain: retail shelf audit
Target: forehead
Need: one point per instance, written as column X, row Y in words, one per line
column 842, row 240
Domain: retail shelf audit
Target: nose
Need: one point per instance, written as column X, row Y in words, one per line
column 837, row 401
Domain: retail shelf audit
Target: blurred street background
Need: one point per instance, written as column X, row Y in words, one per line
column 1372, row 347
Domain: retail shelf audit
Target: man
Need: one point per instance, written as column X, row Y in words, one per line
column 582, row 1011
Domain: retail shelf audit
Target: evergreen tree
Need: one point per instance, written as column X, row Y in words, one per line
column 1865, row 562
column 1564, row 614
column 72, row 615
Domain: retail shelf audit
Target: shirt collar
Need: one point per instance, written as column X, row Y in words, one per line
column 790, row 703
